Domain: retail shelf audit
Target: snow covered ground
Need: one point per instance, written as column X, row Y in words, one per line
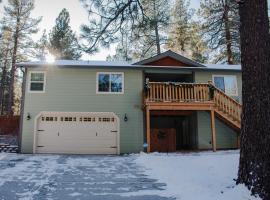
column 2, row 156
column 196, row 176
column 193, row 176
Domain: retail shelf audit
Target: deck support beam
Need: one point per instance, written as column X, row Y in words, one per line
column 213, row 130
column 148, row 136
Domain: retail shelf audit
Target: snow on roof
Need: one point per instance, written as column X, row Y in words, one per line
column 76, row 63
column 83, row 63
column 223, row 66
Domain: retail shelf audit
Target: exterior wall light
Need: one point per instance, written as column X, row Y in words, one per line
column 125, row 118
column 28, row 117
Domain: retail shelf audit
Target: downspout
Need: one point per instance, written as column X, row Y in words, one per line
column 22, row 110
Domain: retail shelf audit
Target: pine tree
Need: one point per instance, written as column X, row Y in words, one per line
column 41, row 47
column 20, row 25
column 221, row 29
column 144, row 47
column 254, row 169
column 5, row 57
column 63, row 43
column 179, row 37
column 198, row 47
column 185, row 34
column 123, row 50
column 156, row 20
column 107, row 19
column 145, row 20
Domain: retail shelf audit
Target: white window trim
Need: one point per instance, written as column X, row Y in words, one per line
column 29, row 82
column 234, row 76
column 123, row 82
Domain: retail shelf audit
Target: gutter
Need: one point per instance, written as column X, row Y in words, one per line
column 141, row 67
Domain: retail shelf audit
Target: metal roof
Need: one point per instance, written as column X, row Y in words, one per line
column 141, row 64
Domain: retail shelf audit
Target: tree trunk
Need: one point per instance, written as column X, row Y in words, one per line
column 157, row 39
column 254, row 168
column 156, row 31
column 3, row 83
column 228, row 34
column 13, row 67
column 12, row 79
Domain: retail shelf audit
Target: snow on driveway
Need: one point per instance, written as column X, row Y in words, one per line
column 2, row 156
column 80, row 177
column 196, row 176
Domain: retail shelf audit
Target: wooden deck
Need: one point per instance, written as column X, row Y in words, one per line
column 161, row 96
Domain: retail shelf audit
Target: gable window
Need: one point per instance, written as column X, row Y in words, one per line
column 110, row 82
column 226, row 83
column 37, row 82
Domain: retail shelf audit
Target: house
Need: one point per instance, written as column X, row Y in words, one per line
column 168, row 102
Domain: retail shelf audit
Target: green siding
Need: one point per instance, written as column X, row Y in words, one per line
column 204, row 77
column 74, row 90
column 226, row 137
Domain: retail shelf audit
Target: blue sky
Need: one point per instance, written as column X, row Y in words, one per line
column 49, row 10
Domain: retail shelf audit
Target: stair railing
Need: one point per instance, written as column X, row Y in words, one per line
column 227, row 104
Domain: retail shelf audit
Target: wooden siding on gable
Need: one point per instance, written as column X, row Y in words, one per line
column 168, row 61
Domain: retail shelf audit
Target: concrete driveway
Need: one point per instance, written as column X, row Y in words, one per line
column 75, row 177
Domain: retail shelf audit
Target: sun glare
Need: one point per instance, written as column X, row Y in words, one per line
column 50, row 58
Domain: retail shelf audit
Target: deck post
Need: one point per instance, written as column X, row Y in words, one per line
column 213, row 129
column 148, row 137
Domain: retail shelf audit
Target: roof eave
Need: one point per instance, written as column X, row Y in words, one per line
column 204, row 68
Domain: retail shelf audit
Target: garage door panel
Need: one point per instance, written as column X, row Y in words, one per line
column 77, row 143
column 86, row 150
column 96, row 135
column 54, row 136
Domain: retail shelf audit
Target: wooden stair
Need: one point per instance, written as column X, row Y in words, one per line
column 172, row 96
column 193, row 96
column 228, row 120
column 226, row 108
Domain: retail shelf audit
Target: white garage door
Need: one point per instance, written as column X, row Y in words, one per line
column 77, row 133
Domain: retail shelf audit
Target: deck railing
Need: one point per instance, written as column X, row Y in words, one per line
column 227, row 104
column 177, row 92
column 193, row 92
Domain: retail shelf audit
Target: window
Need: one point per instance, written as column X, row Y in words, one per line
column 49, row 119
column 68, row 119
column 87, row 119
column 110, row 82
column 37, row 82
column 106, row 119
column 226, row 83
